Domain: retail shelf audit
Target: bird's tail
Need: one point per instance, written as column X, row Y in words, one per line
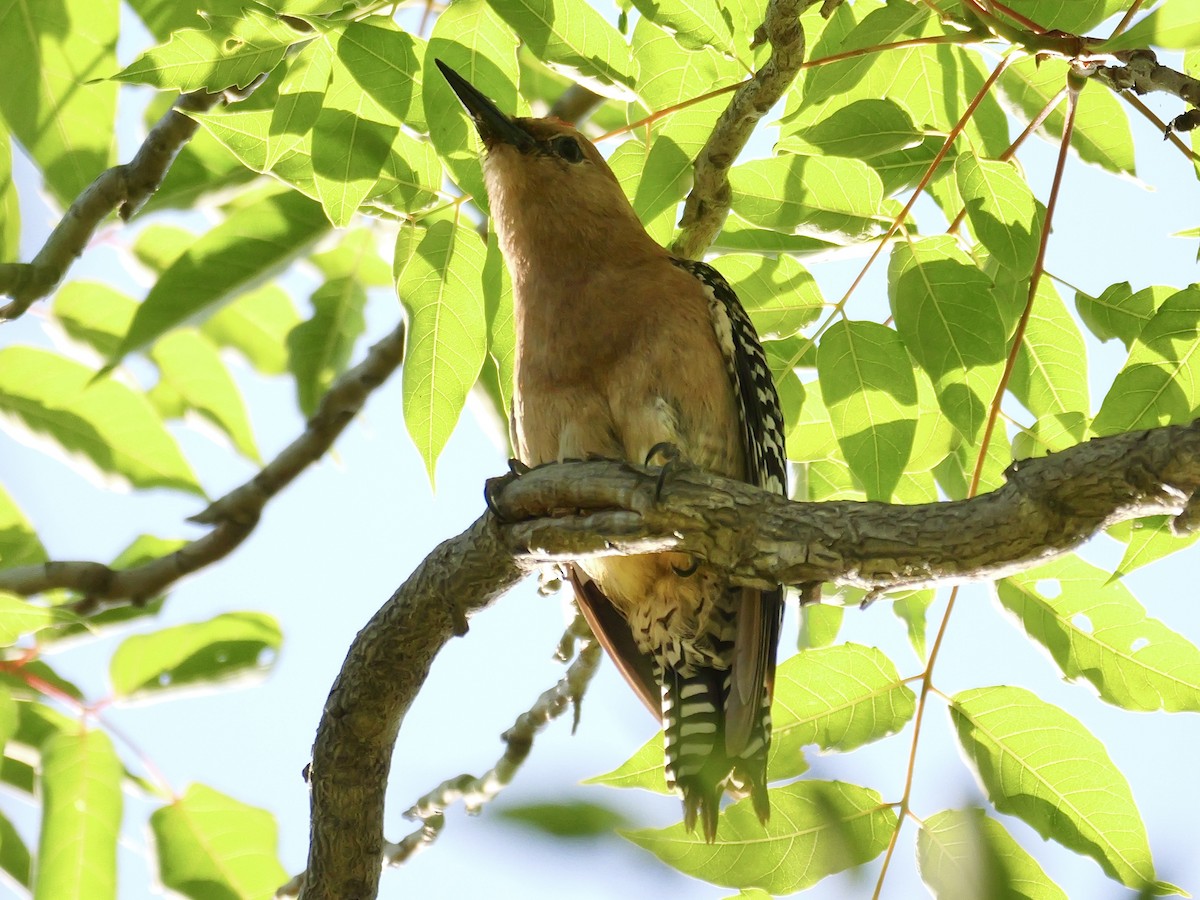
column 698, row 763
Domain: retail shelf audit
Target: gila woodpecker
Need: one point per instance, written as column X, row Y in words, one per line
column 622, row 350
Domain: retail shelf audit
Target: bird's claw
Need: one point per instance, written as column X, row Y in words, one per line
column 689, row 571
column 671, row 457
column 494, row 486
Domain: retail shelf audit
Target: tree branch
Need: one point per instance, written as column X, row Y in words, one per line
column 1047, row 507
column 477, row 791
column 708, row 203
column 1142, row 74
column 126, row 186
column 234, row 515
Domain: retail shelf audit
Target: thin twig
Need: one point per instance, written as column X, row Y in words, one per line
column 124, row 188
column 708, row 203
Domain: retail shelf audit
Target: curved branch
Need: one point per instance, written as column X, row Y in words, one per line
column 708, row 203
column 1047, row 507
column 126, row 187
column 234, row 515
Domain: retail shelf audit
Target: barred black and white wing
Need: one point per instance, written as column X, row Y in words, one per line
column 751, row 677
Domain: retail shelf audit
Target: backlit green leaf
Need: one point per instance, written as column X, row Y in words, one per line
column 229, row 52
column 53, row 52
column 103, row 427
column 81, row 791
column 1041, row 765
column 190, row 363
column 1160, row 383
column 224, row 647
column 252, row 244
column 439, row 273
column 1097, row 631
column 868, row 385
column 211, row 846
column 964, row 853
column 817, row 828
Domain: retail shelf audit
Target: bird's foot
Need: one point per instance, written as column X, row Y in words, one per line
column 494, row 486
column 670, row 457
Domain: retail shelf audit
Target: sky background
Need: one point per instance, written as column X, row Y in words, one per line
column 334, row 546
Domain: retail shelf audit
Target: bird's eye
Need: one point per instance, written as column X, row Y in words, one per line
column 567, row 148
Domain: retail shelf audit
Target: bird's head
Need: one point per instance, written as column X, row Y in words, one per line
column 546, row 182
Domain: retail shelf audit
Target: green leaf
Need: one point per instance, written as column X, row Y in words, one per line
column 1076, row 17
column 1041, row 765
column 19, row 617
column 819, row 625
column 14, row 855
column 951, row 322
column 644, row 769
column 1096, row 630
column 828, row 196
column 53, row 53
column 501, row 327
column 693, row 23
column 1119, row 312
column 224, row 647
column 570, row 35
column 100, row 426
column 1002, row 210
column 1174, row 25
column 157, row 245
column 279, row 138
column 933, row 85
column 961, row 851
column 1050, row 373
column 779, row 293
column 10, row 203
column 1149, row 540
column 94, row 314
column 252, row 244
column 863, row 129
column 439, row 274
column 1101, row 135
column 474, row 41
column 569, row 819
column 911, row 607
column 256, row 324
column 353, row 133
column 229, row 52
column 880, row 26
column 19, row 543
column 212, row 846
column 81, row 817
column 867, row 382
column 202, row 168
column 817, row 828
column 838, row 698
column 319, row 350
column 1160, row 383
column 190, row 363
column 355, row 256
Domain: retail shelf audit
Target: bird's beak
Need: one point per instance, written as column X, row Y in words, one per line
column 493, row 125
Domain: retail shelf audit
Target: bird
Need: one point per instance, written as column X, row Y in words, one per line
column 624, row 351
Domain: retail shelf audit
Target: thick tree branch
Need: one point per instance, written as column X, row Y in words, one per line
column 234, row 515
column 1048, row 507
column 708, row 203
column 126, row 187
